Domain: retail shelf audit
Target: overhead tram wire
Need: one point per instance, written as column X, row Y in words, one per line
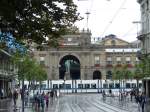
column 113, row 18
column 127, row 33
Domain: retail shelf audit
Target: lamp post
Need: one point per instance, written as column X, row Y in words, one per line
column 22, row 93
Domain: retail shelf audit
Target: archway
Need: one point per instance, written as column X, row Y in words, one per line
column 109, row 75
column 97, row 75
column 69, row 67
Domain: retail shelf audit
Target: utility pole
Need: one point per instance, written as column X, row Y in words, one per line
column 87, row 18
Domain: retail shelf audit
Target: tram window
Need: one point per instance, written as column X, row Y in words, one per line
column 105, row 85
column 80, row 86
column 87, row 86
column 55, row 86
column 43, row 86
column 61, row 86
column 37, row 86
column 117, row 85
column 140, row 85
column 111, row 85
column 68, row 86
column 93, row 86
column 133, row 85
column 128, row 85
column 25, row 86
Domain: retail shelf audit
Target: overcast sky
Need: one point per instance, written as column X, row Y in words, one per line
column 110, row 17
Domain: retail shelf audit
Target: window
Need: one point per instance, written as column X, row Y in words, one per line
column 128, row 60
column 128, row 85
column 87, row 86
column 97, row 60
column 93, row 86
column 80, row 86
column 109, row 60
column 55, row 86
column 69, row 39
column 117, row 85
column 118, row 59
column 42, row 60
column 111, row 85
column 136, row 60
column 105, row 86
column 68, row 86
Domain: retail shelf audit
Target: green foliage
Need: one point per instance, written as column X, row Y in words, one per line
column 142, row 69
column 37, row 19
column 29, row 69
column 122, row 72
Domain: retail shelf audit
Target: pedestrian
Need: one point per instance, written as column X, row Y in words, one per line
column 131, row 95
column 51, row 96
column 9, row 93
column 47, row 99
column 42, row 101
column 142, row 101
column 104, row 95
column 55, row 92
column 26, row 97
column 1, row 93
column 15, row 97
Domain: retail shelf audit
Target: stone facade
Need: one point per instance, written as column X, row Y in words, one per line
column 144, row 35
column 100, row 57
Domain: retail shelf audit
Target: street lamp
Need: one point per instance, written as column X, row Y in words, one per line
column 137, row 22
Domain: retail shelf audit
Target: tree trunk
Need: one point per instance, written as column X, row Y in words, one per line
column 137, row 82
column 40, row 86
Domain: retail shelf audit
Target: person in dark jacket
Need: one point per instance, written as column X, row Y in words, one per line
column 15, row 97
column 142, row 101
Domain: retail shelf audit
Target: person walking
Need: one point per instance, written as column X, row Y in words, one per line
column 51, row 96
column 142, row 101
column 47, row 99
column 131, row 95
column 42, row 101
column 15, row 97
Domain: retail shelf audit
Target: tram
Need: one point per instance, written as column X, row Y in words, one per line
column 89, row 86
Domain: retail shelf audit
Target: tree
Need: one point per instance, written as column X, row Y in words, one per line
column 122, row 74
column 28, row 68
column 41, row 75
column 37, row 20
column 142, row 70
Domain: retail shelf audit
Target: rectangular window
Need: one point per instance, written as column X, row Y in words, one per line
column 118, row 59
column 87, row 86
column 97, row 59
column 109, row 60
column 128, row 60
column 128, row 85
column 111, row 85
column 42, row 60
column 80, row 86
column 93, row 86
column 105, row 86
column 68, row 86
column 55, row 86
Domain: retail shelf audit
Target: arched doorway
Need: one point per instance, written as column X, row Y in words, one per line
column 97, row 75
column 69, row 67
column 109, row 75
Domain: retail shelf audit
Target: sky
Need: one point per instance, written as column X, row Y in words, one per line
column 110, row 17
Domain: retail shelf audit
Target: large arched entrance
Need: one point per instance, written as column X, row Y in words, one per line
column 69, row 68
column 98, row 76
